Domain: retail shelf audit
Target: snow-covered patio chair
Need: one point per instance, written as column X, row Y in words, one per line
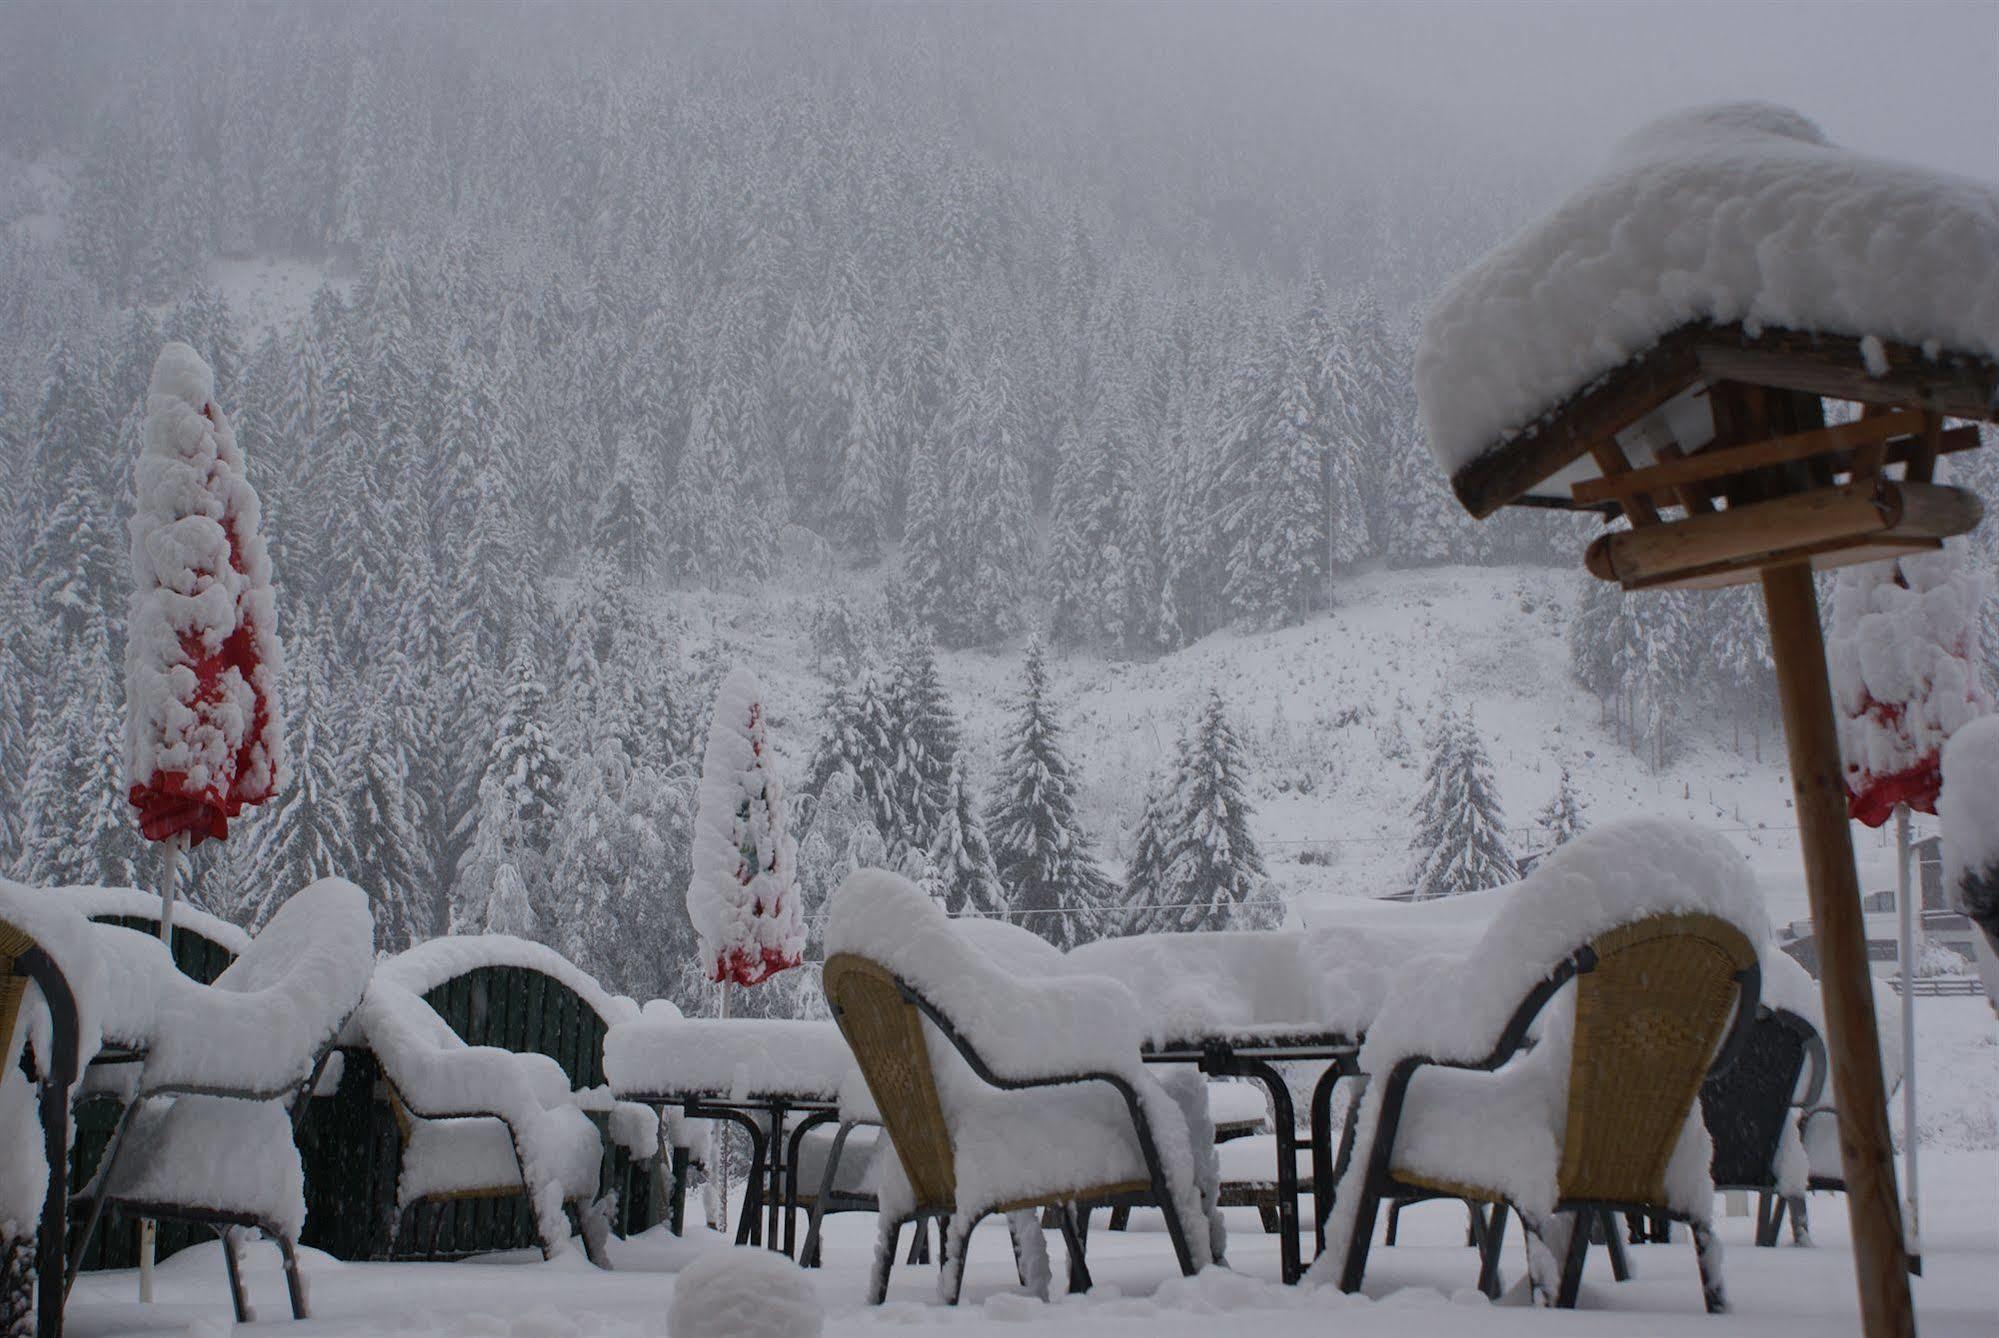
column 1553, row 1071
column 1749, row 1112
column 481, row 1122
column 209, row 1137
column 49, row 980
column 995, row 1095
column 518, row 995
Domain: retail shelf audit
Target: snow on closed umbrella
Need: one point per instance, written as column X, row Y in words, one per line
column 203, row 735
column 743, row 897
column 1904, row 663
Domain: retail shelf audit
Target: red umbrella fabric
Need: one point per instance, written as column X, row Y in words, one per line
column 204, row 737
column 1905, row 667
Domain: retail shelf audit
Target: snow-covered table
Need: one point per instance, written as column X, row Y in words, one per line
column 754, row 1072
column 1239, row 1003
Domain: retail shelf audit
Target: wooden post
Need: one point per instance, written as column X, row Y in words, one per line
column 1880, row 1263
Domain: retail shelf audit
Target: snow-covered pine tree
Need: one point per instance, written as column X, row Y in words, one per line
column 625, row 532
column 77, row 827
column 961, row 857
column 1052, row 881
column 384, row 820
column 927, row 739
column 519, row 801
column 508, row 909
column 1145, row 872
column 1213, row 875
column 307, row 835
column 1460, row 842
column 75, row 560
column 1563, row 818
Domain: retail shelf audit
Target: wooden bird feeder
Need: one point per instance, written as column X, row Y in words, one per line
column 1715, row 445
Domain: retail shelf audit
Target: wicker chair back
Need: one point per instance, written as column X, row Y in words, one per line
column 885, row 1032
column 1650, row 1017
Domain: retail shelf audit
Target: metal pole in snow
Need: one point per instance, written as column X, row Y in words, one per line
column 721, row 1129
column 1911, row 945
column 170, row 885
column 176, row 848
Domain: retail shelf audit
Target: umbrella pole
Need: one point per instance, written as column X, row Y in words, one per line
column 1866, row 1153
column 176, row 849
column 1911, row 950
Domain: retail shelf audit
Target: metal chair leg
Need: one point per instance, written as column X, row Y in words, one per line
column 1072, row 1240
column 1582, row 1226
column 294, row 1283
column 1394, row 1223
column 239, row 1295
column 1620, row 1263
column 1489, row 1248
column 886, row 1239
column 1706, row 1253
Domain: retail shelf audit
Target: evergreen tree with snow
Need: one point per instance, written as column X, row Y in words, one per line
column 1052, row 881
column 1562, row 819
column 519, row 799
column 76, row 825
column 964, row 875
column 384, row 821
column 927, row 741
column 625, row 532
column 1205, row 869
column 1460, row 842
column 508, row 909
column 306, row 836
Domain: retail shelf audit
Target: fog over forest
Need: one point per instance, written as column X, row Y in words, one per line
column 1078, row 322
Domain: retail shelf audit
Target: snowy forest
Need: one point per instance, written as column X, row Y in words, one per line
column 619, row 302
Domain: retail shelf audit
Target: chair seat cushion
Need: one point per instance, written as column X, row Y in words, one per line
column 445, row 1157
column 213, row 1154
column 1497, row 1132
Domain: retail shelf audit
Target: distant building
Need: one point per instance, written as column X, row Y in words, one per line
column 1940, row 922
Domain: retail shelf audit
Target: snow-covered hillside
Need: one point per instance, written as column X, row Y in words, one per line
column 1334, row 714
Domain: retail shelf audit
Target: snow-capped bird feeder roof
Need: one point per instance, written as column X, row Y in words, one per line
column 1659, row 344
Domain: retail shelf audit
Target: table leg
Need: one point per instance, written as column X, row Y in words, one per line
column 1322, row 1147
column 749, row 1226
column 774, row 1169
column 805, row 1126
column 1222, row 1061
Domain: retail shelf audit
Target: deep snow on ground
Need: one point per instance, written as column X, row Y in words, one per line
column 1421, row 1287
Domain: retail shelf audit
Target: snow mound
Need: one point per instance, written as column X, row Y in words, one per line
column 745, row 1292
column 1736, row 212
column 733, row 1058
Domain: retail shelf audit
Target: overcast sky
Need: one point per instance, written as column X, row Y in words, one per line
column 1908, row 79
